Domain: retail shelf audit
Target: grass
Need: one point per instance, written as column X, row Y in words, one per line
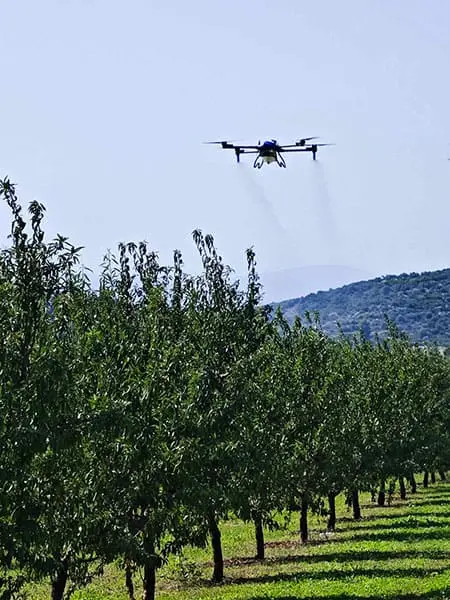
column 399, row 552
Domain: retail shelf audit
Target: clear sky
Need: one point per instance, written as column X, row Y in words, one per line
column 105, row 105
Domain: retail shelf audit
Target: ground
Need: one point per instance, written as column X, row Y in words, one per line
column 401, row 551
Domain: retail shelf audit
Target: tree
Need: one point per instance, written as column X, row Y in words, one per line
column 40, row 429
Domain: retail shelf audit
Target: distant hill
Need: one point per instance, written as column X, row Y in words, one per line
column 419, row 303
column 299, row 281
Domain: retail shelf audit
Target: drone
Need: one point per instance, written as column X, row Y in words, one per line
column 271, row 151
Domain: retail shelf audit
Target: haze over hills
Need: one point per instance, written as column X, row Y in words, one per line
column 419, row 303
column 300, row 281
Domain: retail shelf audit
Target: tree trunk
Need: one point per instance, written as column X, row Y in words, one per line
column 216, row 543
column 382, row 494
column 401, row 483
column 433, row 477
column 259, row 535
column 348, row 500
column 59, row 581
column 412, row 481
column 149, row 583
column 331, row 525
column 442, row 475
column 129, row 580
column 149, row 579
column 425, row 479
column 304, row 520
column 356, row 507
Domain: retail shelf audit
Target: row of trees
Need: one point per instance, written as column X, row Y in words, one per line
column 135, row 417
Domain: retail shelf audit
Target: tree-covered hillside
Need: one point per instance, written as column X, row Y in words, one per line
column 419, row 303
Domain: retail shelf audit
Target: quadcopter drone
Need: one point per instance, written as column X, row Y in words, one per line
column 271, row 151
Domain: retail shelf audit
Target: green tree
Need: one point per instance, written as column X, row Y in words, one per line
column 40, row 476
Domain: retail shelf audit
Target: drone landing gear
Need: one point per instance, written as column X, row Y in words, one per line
column 281, row 162
column 259, row 161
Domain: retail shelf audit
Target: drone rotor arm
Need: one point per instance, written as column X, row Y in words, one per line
column 298, row 149
column 247, row 147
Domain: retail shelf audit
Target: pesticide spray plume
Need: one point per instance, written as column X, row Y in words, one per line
column 284, row 244
column 325, row 217
column 260, row 198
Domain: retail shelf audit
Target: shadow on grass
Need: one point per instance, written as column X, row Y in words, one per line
column 436, row 595
column 354, row 556
column 439, row 486
column 340, row 557
column 444, row 494
column 372, row 517
column 401, row 536
column 425, row 513
column 433, row 502
column 416, row 513
column 336, row 574
column 395, row 505
column 400, row 525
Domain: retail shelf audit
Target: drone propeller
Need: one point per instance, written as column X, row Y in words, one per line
column 221, row 142
column 303, row 141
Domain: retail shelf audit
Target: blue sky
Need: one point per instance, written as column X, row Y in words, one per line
column 105, row 106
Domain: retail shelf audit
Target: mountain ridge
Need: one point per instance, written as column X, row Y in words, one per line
column 294, row 282
column 418, row 303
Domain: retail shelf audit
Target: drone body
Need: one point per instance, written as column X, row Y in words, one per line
column 270, row 151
